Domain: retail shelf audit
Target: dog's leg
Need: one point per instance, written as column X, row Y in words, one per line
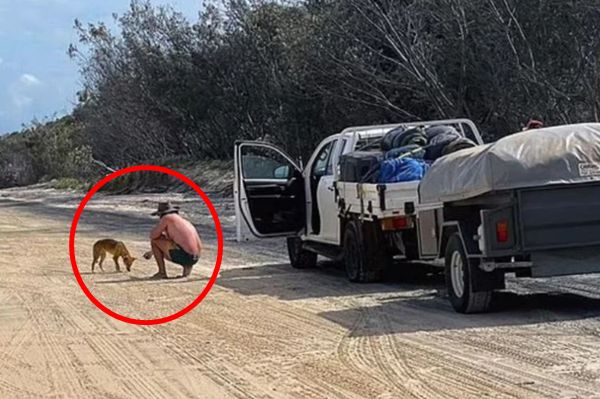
column 95, row 255
column 102, row 257
column 117, row 266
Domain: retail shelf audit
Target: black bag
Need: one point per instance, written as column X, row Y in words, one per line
column 439, row 137
column 391, row 137
column 415, row 136
column 457, row 145
column 400, row 137
column 355, row 166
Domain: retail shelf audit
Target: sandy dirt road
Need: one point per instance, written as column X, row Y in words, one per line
column 266, row 330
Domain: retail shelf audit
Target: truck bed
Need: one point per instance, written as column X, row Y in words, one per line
column 378, row 200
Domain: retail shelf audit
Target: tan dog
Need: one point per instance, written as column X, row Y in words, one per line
column 117, row 249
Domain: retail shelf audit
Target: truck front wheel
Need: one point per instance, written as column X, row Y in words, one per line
column 460, row 272
column 365, row 256
column 300, row 258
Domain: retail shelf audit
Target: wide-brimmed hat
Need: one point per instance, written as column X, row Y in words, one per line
column 165, row 208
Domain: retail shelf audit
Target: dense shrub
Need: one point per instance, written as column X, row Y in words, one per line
column 162, row 86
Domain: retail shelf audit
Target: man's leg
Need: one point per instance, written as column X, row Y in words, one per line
column 160, row 249
column 186, row 271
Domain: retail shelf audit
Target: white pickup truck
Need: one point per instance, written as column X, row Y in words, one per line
column 320, row 214
column 528, row 204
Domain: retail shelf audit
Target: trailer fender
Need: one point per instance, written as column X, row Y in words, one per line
column 447, row 230
column 480, row 279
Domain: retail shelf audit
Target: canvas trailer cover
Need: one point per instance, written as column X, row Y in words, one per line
column 558, row 155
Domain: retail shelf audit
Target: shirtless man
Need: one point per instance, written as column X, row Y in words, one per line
column 174, row 239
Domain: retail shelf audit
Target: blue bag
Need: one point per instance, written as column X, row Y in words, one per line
column 402, row 170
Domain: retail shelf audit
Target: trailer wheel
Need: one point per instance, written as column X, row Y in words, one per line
column 299, row 257
column 365, row 256
column 459, row 271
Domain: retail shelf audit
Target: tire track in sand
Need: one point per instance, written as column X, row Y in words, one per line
column 57, row 361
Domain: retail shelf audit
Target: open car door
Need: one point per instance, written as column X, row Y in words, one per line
column 268, row 191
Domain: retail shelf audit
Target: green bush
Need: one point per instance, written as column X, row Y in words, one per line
column 69, row 183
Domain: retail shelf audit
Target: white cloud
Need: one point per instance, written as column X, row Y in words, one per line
column 29, row 80
column 24, row 90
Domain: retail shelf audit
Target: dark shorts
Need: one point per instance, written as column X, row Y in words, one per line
column 179, row 256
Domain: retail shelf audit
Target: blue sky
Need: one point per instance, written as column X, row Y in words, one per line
column 37, row 78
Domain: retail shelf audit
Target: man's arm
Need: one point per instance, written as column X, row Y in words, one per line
column 159, row 229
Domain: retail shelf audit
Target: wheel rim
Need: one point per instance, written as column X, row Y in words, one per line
column 457, row 274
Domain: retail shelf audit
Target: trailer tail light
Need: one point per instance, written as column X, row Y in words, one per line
column 502, row 231
column 396, row 223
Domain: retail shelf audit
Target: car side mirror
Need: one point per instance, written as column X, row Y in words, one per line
column 282, row 172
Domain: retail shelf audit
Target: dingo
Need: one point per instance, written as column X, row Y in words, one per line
column 117, row 249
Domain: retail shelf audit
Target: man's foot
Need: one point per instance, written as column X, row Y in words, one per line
column 159, row 276
column 187, row 270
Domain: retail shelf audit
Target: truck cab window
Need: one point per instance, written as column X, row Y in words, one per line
column 265, row 163
column 319, row 168
column 332, row 158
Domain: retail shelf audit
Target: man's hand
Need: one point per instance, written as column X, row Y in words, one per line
column 148, row 255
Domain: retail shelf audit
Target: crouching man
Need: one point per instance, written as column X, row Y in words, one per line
column 174, row 239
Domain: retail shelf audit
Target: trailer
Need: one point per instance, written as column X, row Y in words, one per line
column 528, row 204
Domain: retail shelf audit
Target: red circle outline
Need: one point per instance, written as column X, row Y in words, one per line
column 73, row 231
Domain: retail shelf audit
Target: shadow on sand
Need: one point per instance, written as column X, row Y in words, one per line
column 410, row 299
column 133, row 279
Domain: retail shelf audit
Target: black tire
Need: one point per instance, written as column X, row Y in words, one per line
column 459, row 272
column 365, row 255
column 299, row 257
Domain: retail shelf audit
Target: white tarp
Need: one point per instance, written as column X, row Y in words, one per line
column 555, row 155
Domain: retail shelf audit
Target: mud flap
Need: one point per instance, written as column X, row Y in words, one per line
column 486, row 281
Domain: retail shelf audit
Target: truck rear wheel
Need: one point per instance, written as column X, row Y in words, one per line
column 459, row 281
column 365, row 256
column 300, row 258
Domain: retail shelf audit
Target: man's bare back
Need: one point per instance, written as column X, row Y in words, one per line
column 179, row 230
